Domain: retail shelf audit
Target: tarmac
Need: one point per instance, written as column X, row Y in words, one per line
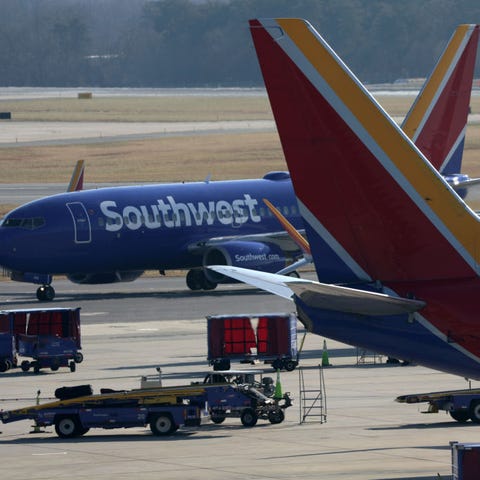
column 130, row 329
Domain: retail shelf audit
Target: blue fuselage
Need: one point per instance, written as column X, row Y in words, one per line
column 140, row 227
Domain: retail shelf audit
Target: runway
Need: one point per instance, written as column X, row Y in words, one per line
column 14, row 134
column 130, row 329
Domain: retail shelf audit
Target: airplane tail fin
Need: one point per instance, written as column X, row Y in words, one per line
column 368, row 197
column 438, row 118
column 76, row 182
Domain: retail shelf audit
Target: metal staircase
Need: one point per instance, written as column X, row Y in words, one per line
column 313, row 401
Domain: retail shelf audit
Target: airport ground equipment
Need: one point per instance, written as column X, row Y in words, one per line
column 49, row 337
column 78, row 409
column 244, row 394
column 8, row 350
column 462, row 405
column 248, row 396
column 234, row 338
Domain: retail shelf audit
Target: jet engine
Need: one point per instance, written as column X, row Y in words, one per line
column 265, row 257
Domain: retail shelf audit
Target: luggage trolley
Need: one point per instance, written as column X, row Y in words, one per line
column 51, row 337
column 8, row 350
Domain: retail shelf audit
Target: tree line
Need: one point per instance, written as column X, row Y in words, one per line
column 187, row 43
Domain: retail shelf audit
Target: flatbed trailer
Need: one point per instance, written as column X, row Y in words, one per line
column 78, row 410
column 462, row 405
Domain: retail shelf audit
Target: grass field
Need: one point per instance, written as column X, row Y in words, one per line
column 186, row 158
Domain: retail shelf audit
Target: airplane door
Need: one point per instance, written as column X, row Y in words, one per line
column 81, row 222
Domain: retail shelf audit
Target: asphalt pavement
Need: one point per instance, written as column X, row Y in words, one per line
column 128, row 330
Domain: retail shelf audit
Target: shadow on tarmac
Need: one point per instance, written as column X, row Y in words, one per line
column 23, row 298
column 202, row 433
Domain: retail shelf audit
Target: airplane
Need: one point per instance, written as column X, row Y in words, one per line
column 113, row 234
column 405, row 243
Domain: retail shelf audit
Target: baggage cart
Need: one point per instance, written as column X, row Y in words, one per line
column 251, row 338
column 8, row 350
column 50, row 337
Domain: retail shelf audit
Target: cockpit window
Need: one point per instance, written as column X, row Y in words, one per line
column 28, row 223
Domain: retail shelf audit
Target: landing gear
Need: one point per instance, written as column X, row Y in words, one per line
column 45, row 293
column 197, row 280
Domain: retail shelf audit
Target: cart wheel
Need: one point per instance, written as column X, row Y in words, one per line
column 461, row 416
column 78, row 357
column 36, row 367
column 223, row 364
column 72, row 366
column 3, row 365
column 277, row 364
column 54, row 368
column 162, row 424
column 474, row 411
column 290, row 365
column 25, row 366
column 276, row 416
column 218, row 418
column 249, row 417
column 67, row 426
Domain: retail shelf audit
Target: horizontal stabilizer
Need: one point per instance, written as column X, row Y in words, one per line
column 323, row 296
column 351, row 300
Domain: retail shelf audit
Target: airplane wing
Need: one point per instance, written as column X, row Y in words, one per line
column 324, row 296
column 281, row 239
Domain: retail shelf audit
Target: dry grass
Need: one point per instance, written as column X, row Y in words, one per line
column 169, row 159
column 140, row 109
column 187, row 158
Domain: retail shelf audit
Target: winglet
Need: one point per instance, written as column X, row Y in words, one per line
column 291, row 230
column 76, row 182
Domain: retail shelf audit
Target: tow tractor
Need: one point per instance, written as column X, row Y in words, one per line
column 78, row 409
column 244, row 394
column 256, row 399
column 462, row 405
